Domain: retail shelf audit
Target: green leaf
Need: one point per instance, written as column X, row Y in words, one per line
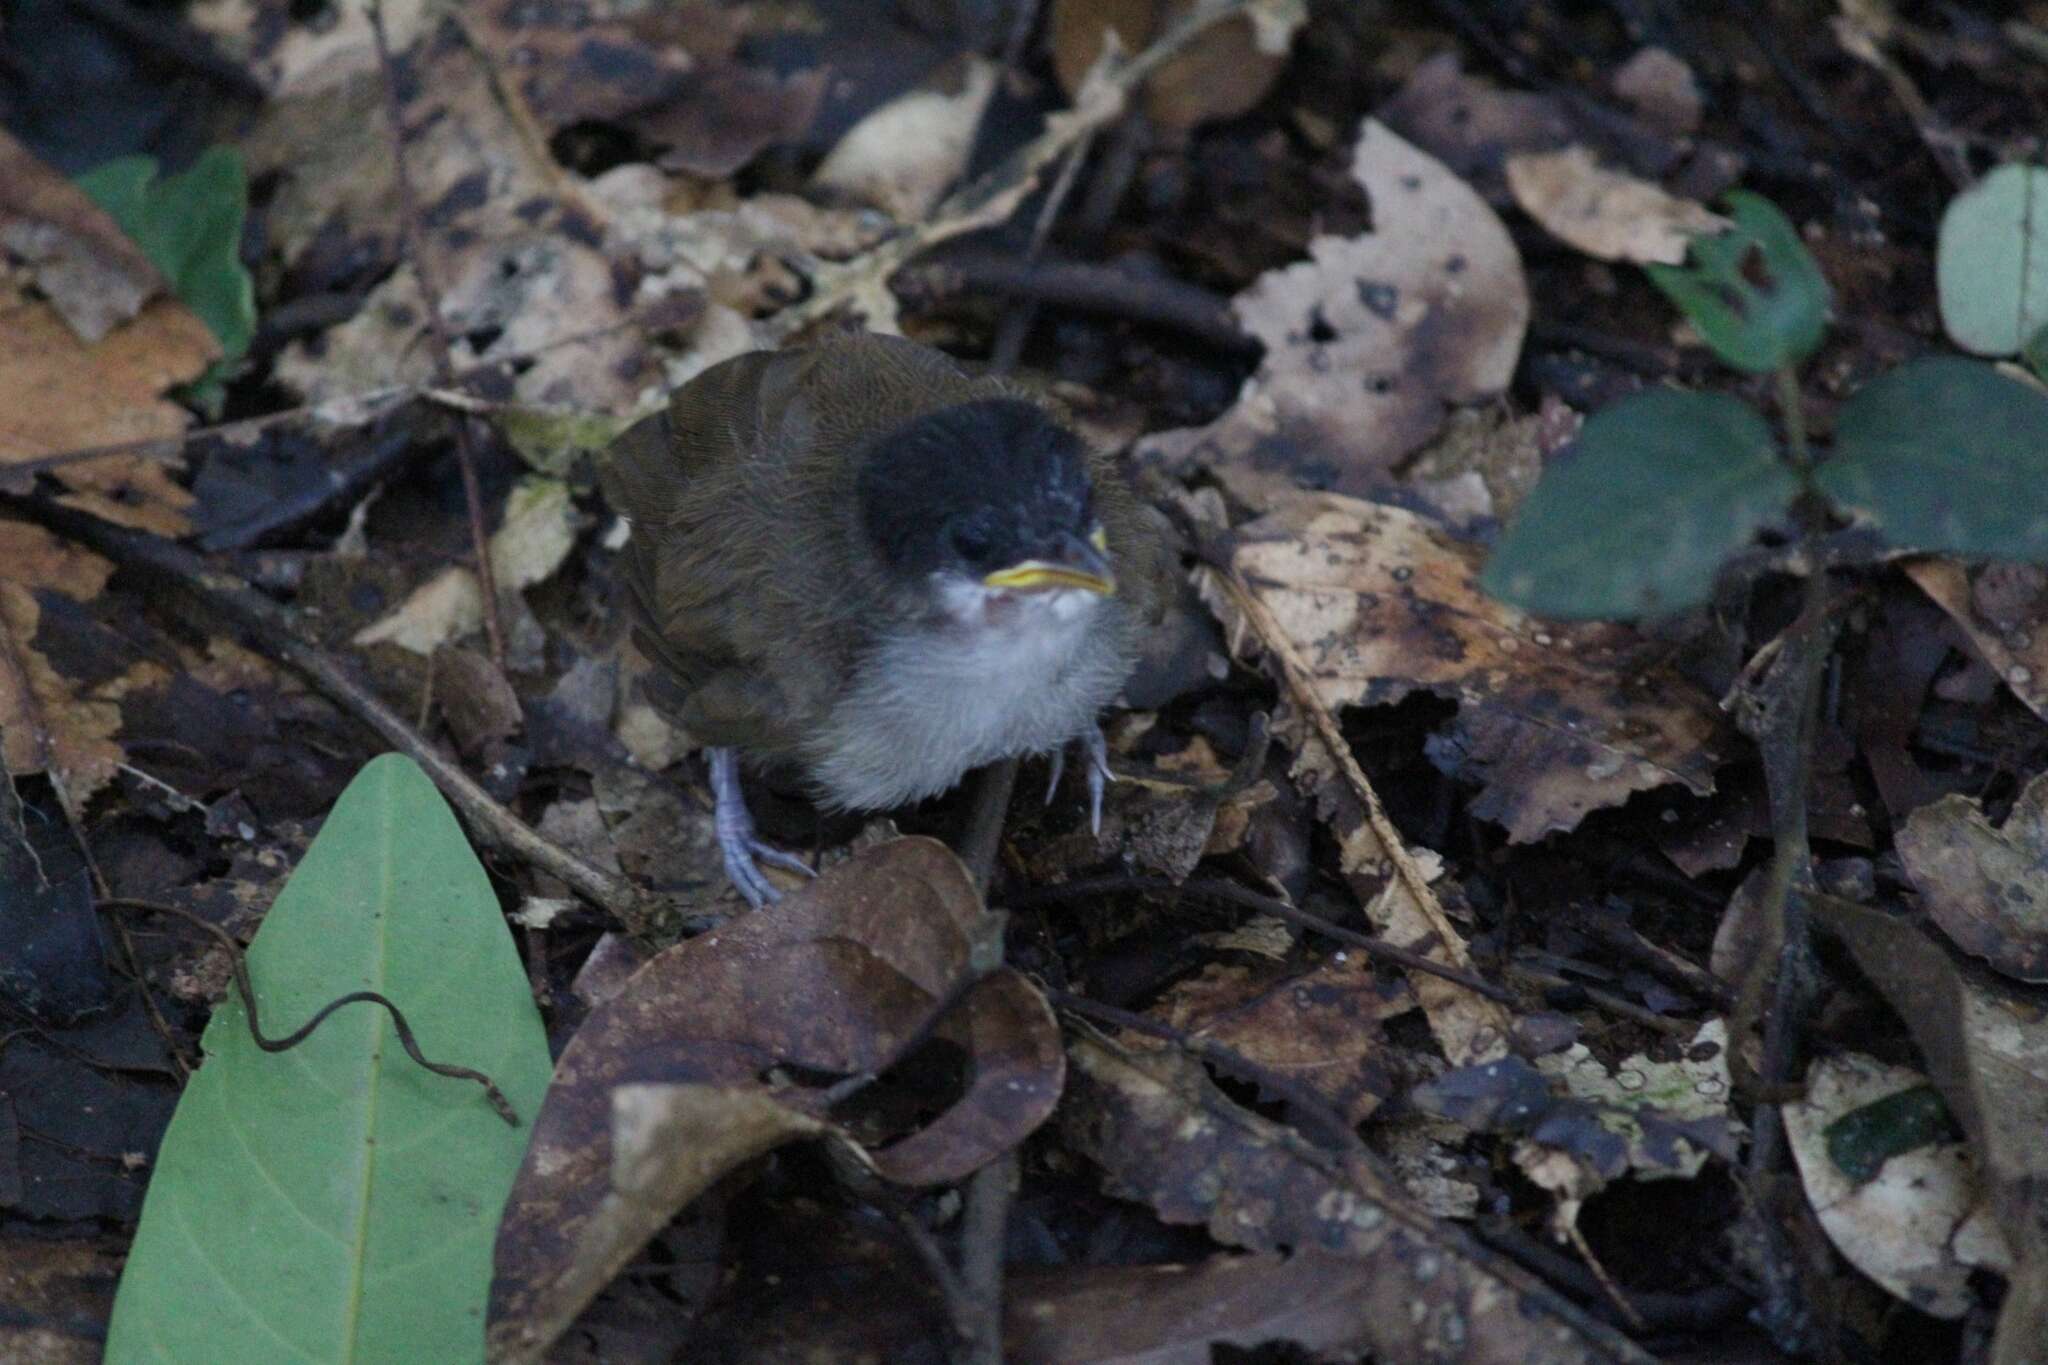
column 1658, row 490
column 190, row 227
column 1862, row 1140
column 1946, row 454
column 2035, row 353
column 1753, row 326
column 1991, row 264
column 337, row 1202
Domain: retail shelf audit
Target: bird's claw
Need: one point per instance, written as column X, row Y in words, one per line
column 741, row 850
column 1099, row 775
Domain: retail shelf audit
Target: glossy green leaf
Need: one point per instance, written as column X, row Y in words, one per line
column 1636, row 520
column 1754, row 292
column 1991, row 263
column 190, row 227
column 1946, row 454
column 336, row 1202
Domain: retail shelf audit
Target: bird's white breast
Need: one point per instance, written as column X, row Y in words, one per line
column 1005, row 675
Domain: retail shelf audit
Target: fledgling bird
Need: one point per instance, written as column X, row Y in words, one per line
column 856, row 561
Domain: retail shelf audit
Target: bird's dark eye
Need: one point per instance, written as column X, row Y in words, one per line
column 970, row 543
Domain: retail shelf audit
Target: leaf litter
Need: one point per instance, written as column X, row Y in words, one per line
column 591, row 250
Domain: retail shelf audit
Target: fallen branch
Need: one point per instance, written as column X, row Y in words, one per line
column 1152, row 300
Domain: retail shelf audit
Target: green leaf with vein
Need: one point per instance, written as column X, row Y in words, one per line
column 1946, row 454
column 1636, row 520
column 336, row 1202
column 1991, row 263
column 1754, row 292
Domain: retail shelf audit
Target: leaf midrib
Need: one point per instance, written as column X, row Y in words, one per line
column 364, row 1186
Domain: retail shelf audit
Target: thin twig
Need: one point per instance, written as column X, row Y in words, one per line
column 1232, row 894
column 238, row 963
column 437, row 326
column 1151, row 300
column 274, row 629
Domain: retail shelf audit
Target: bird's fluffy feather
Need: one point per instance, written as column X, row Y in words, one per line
column 755, row 589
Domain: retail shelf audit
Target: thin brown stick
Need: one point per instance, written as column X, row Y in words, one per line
column 274, row 629
column 437, row 326
column 239, row 964
column 1151, row 300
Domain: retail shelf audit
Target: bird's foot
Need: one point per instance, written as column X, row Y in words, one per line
column 734, row 824
column 1099, row 775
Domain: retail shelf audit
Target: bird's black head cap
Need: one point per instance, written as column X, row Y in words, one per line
column 974, row 488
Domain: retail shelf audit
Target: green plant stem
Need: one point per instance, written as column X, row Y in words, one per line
column 1793, row 409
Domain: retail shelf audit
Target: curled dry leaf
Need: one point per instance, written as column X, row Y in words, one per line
column 1605, row 213
column 1552, row 722
column 1164, row 1134
column 1370, row 340
column 1221, row 74
column 1982, row 883
column 709, row 1038
column 1915, row 1225
column 82, row 261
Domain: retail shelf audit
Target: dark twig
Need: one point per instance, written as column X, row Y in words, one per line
column 275, row 630
column 238, row 962
column 1153, row 300
column 168, row 40
column 437, row 325
column 1244, row 897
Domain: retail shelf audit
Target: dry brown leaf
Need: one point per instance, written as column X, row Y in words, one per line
column 31, row 557
column 1605, row 213
column 1472, row 125
column 1319, row 1027
column 1553, row 722
column 291, row 56
column 1176, row 1314
column 58, row 394
column 1370, row 340
column 1982, row 883
column 1164, row 1134
column 82, row 261
column 1221, row 74
column 734, row 1031
column 45, row 726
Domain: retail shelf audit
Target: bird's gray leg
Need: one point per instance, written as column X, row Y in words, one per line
column 1099, row 774
column 734, row 824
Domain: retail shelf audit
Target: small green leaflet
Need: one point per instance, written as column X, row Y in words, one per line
column 1636, row 520
column 1754, row 327
column 336, row 1202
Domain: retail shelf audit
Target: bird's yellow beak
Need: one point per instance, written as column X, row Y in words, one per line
column 1036, row 575
column 1080, row 564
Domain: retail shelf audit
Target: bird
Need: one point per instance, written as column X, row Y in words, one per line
column 856, row 562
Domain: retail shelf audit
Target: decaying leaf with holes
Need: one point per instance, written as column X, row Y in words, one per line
column 1165, row 1135
column 1370, row 340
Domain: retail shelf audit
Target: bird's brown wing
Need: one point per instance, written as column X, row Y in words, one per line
column 680, row 477
column 1140, row 542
